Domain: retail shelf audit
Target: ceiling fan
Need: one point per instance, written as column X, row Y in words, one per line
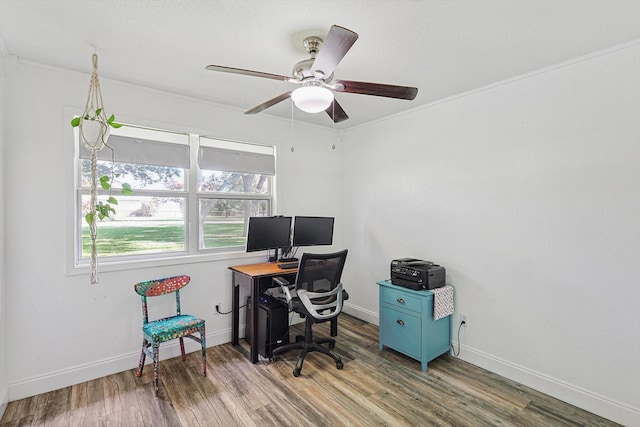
column 314, row 76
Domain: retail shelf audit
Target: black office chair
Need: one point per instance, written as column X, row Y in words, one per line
column 318, row 298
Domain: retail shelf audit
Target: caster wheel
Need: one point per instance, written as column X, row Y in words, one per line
column 339, row 365
column 296, row 372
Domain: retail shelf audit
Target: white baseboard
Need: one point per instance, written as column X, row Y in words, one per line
column 81, row 373
column 585, row 399
column 4, row 401
column 361, row 313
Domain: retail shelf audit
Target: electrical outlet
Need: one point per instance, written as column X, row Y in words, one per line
column 464, row 318
column 219, row 308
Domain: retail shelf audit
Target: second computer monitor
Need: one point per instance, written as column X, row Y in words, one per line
column 312, row 230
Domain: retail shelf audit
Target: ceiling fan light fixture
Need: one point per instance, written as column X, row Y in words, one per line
column 312, row 99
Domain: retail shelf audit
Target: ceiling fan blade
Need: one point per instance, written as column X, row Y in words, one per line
column 377, row 89
column 334, row 48
column 269, row 103
column 247, row 72
column 336, row 112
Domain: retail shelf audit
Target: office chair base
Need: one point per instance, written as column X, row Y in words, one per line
column 307, row 348
column 331, row 341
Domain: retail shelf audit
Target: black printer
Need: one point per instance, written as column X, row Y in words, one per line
column 417, row 274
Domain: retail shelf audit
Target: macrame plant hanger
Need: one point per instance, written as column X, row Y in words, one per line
column 94, row 131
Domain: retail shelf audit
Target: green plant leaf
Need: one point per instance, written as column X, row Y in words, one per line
column 75, row 122
column 126, row 189
column 89, row 218
column 112, row 123
column 104, row 182
column 98, row 111
column 103, row 210
column 112, row 200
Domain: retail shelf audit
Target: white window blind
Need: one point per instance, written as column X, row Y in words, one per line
column 228, row 156
column 145, row 147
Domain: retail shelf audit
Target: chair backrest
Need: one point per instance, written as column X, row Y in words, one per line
column 317, row 272
column 318, row 283
column 154, row 288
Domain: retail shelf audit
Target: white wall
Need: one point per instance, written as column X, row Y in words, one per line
column 62, row 330
column 528, row 193
column 4, row 395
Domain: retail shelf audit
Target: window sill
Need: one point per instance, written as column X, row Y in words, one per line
column 107, row 266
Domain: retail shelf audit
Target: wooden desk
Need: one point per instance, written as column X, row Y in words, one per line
column 259, row 277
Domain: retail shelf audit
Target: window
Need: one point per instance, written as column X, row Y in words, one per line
column 216, row 194
column 234, row 183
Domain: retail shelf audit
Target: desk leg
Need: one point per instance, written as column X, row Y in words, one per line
column 255, row 295
column 235, row 311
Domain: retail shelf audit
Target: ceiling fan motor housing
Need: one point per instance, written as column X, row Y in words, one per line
column 312, row 44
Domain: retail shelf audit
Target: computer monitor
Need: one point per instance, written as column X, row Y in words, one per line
column 312, row 230
column 268, row 232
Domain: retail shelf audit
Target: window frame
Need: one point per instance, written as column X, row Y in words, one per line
column 207, row 142
column 192, row 252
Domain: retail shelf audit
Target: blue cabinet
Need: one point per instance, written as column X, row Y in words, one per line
column 407, row 325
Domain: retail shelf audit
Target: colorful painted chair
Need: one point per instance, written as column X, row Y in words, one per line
column 169, row 328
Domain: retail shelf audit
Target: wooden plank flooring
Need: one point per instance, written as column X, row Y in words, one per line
column 374, row 389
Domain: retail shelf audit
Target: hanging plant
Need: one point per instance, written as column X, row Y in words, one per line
column 94, row 129
column 94, row 132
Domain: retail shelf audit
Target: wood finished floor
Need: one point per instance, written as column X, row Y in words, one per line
column 374, row 389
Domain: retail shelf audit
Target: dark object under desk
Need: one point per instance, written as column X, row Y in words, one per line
column 258, row 277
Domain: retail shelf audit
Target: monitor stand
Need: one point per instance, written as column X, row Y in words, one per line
column 283, row 257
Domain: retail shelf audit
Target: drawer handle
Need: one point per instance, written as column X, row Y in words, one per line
column 400, row 300
column 400, row 322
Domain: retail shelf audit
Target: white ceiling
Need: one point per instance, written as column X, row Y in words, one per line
column 442, row 47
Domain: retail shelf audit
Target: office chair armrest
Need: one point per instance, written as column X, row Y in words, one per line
column 281, row 281
column 323, row 300
column 286, row 289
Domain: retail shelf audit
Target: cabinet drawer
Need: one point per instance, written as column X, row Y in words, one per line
column 401, row 299
column 401, row 331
